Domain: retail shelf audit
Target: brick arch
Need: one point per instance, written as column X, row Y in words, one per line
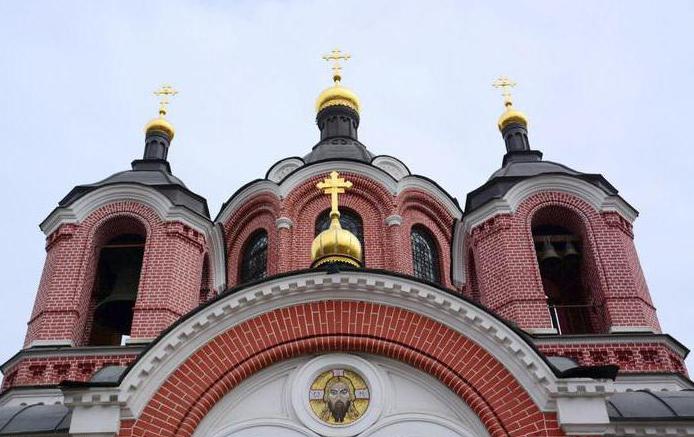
column 258, row 213
column 579, row 217
column 418, row 208
column 367, row 198
column 215, row 369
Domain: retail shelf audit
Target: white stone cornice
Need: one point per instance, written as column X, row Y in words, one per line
column 301, row 174
column 392, row 166
column 282, row 168
column 586, row 191
column 81, row 208
column 507, row 346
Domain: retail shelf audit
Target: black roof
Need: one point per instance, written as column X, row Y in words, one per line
column 644, row 405
column 521, row 165
column 339, row 148
column 35, row 419
column 152, row 173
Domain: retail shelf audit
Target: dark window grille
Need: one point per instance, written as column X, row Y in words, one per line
column 254, row 258
column 349, row 220
column 425, row 260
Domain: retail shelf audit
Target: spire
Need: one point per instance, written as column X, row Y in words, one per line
column 335, row 245
column 159, row 132
column 513, row 125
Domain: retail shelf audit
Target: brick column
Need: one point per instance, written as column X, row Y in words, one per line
column 508, row 279
column 54, row 319
column 169, row 282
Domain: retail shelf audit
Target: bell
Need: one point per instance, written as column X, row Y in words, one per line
column 118, row 283
column 570, row 250
column 116, row 312
column 548, row 253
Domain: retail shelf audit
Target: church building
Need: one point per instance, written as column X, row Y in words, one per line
column 342, row 295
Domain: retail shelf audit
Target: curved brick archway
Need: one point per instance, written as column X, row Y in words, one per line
column 467, row 369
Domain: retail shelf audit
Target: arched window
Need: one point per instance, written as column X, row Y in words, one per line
column 254, row 257
column 115, row 289
column 349, row 220
column 425, row 259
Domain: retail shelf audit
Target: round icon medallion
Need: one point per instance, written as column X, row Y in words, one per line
column 339, row 396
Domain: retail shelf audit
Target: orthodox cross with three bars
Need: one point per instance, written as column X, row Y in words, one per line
column 164, row 92
column 334, row 185
column 335, row 57
column 505, row 84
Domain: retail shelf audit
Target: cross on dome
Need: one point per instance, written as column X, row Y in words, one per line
column 505, row 84
column 164, row 92
column 334, row 185
column 335, row 56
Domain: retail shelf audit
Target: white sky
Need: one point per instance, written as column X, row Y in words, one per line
column 604, row 85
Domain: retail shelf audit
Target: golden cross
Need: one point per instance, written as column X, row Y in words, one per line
column 334, row 185
column 335, row 57
column 505, row 84
column 164, row 92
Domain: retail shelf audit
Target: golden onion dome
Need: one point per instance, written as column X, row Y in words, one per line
column 511, row 115
column 160, row 124
column 336, row 245
column 337, row 95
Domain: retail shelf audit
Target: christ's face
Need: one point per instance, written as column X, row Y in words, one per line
column 338, row 392
column 339, row 399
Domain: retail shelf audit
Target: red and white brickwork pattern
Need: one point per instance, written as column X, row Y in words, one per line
column 490, row 390
column 508, row 274
column 386, row 247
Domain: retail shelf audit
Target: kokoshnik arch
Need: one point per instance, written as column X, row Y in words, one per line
column 342, row 295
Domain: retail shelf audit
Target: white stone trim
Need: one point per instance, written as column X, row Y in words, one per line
column 295, row 179
column 392, row 166
column 541, row 331
column 652, row 382
column 96, row 412
column 284, row 223
column 458, row 255
column 393, row 220
column 30, row 396
column 668, row 429
column 489, row 332
column 81, row 208
column 508, row 204
column 282, row 168
column 67, row 342
column 623, row 329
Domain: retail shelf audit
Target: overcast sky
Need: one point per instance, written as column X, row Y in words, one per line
column 606, row 85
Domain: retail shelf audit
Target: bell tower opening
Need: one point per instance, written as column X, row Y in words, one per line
column 116, row 283
column 567, row 271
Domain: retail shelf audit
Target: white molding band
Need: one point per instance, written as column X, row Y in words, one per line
column 394, row 220
column 283, row 188
column 165, row 356
column 80, row 209
column 588, row 192
column 392, row 166
column 284, row 223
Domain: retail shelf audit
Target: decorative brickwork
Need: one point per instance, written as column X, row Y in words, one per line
column 169, row 281
column 226, row 360
column 53, row 370
column 386, row 246
column 508, row 275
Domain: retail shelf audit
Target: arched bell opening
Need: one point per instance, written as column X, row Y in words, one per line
column 567, row 268
column 116, row 281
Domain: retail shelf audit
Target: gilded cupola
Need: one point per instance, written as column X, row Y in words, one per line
column 335, row 245
column 337, row 94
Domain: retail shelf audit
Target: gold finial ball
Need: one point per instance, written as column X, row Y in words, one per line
column 337, row 95
column 512, row 116
column 160, row 124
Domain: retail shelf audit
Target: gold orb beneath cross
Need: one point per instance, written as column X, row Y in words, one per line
column 339, row 397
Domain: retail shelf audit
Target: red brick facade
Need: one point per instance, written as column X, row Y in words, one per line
column 205, row 377
column 509, row 280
